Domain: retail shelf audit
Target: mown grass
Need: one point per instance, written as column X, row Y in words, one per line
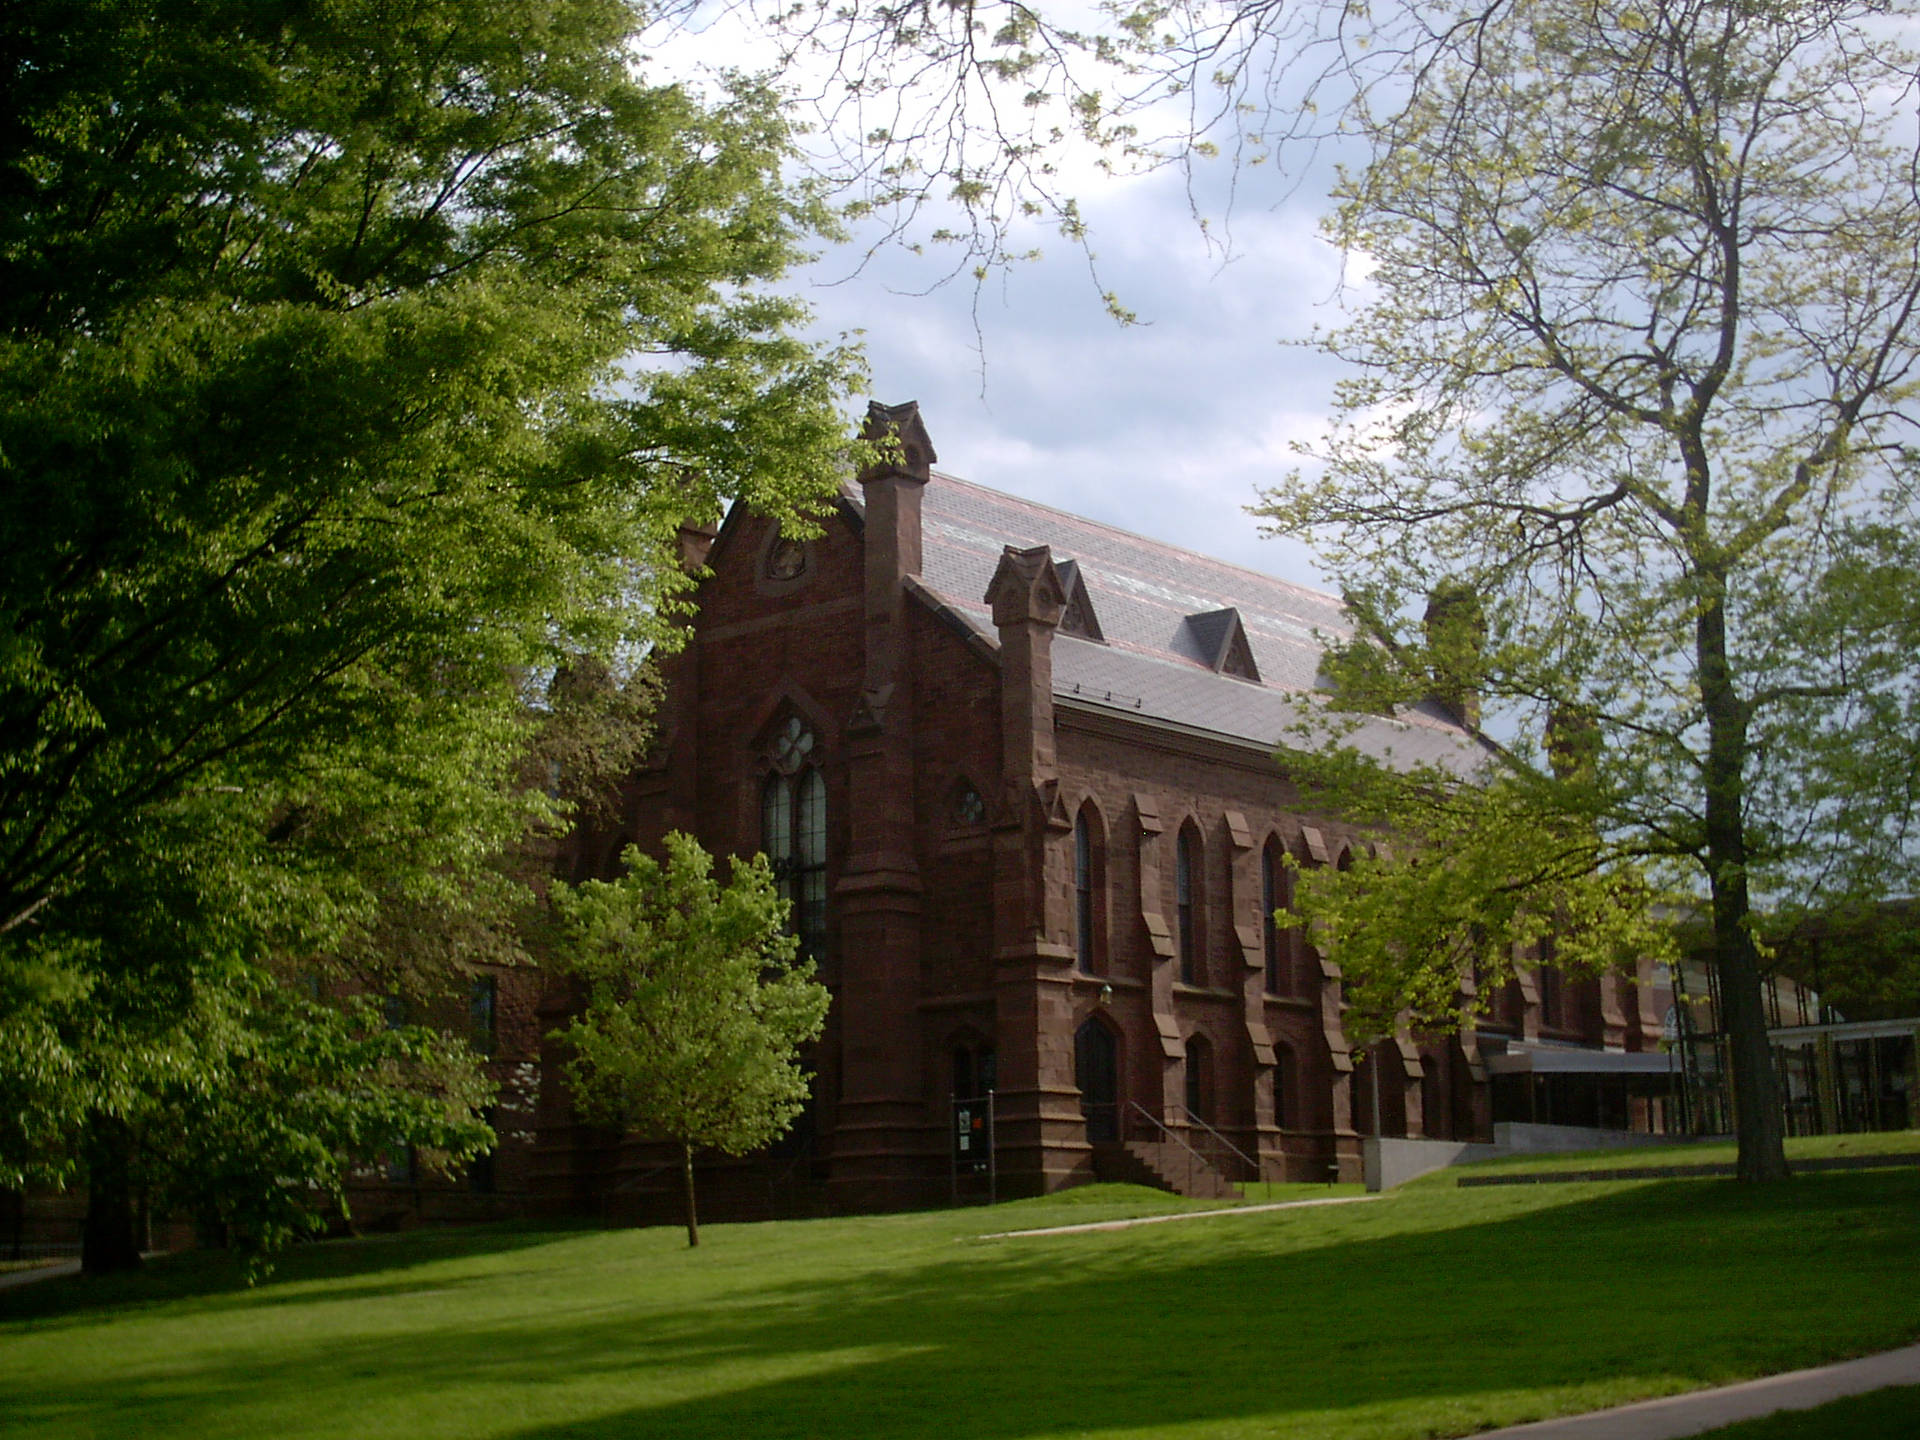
column 1429, row 1313
column 1892, row 1414
column 1716, row 1152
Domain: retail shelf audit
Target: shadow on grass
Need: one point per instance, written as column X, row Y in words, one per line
column 196, row 1274
column 1261, row 1319
column 1892, row 1414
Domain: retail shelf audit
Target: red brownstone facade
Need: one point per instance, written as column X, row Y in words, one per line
column 1018, row 771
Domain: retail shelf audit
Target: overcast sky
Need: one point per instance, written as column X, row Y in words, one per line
column 1167, row 427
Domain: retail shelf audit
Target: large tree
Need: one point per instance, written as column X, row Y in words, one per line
column 354, row 360
column 695, row 1010
column 357, row 367
column 1636, row 353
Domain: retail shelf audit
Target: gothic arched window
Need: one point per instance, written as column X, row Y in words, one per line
column 1184, row 866
column 1199, row 1079
column 793, row 833
column 973, row 1071
column 1089, row 891
column 1285, row 1087
column 1282, row 946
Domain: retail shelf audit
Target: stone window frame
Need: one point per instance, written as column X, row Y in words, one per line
column 483, row 1013
column 766, row 581
column 1550, row 983
column 966, row 805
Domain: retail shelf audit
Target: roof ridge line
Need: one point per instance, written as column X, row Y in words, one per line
column 1143, row 539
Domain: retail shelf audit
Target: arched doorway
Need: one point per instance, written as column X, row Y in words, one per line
column 1096, row 1065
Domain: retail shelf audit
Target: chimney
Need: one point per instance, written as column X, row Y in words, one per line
column 1456, row 632
column 1573, row 741
column 696, row 539
column 1027, row 598
column 892, row 486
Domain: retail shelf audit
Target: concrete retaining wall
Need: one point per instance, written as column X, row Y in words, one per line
column 1394, row 1162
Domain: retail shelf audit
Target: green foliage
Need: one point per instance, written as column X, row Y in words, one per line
column 1476, row 878
column 1638, row 372
column 149, row 1016
column 257, row 1141
column 351, row 364
column 357, row 368
column 696, row 1009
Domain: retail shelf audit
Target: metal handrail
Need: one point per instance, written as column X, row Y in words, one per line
column 1252, row 1166
column 1167, row 1134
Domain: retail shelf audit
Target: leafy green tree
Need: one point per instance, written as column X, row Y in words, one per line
column 153, row 1048
column 695, row 1008
column 355, row 361
column 1637, row 370
column 357, row 368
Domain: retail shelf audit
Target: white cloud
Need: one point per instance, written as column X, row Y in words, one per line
column 1168, row 427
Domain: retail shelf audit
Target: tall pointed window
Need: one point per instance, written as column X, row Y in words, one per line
column 1276, row 893
column 1183, row 896
column 793, row 833
column 1083, row 892
column 1553, row 990
column 1199, row 1079
column 1089, row 890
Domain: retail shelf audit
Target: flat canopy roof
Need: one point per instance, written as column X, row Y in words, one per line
column 1583, row 1062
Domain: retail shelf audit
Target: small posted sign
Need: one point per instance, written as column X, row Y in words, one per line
column 972, row 1152
column 972, row 1135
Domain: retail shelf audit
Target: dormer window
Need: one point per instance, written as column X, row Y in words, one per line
column 1077, row 617
column 1220, row 639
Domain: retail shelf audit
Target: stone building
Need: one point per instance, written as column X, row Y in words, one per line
column 1018, row 773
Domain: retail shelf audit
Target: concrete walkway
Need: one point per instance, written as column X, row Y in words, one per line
column 39, row 1272
column 1704, row 1410
column 1177, row 1215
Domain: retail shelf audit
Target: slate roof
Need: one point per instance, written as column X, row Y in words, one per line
column 1155, row 664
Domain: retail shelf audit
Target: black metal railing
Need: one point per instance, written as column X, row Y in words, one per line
column 1220, row 1152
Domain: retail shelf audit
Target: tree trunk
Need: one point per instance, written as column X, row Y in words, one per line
column 1756, row 1098
column 693, row 1219
column 110, row 1240
column 1758, row 1129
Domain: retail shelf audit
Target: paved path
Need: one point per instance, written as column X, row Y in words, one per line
column 1703, row 1410
column 1177, row 1215
column 39, row 1272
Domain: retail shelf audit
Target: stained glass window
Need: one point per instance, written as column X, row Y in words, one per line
column 793, row 833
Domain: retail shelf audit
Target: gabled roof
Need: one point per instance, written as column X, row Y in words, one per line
column 1221, row 641
column 1079, row 617
column 1149, row 658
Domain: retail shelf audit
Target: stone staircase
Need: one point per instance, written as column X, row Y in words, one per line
column 1163, row 1165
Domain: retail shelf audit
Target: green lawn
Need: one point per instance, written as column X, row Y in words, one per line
column 1719, row 1152
column 1892, row 1414
column 1427, row 1313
